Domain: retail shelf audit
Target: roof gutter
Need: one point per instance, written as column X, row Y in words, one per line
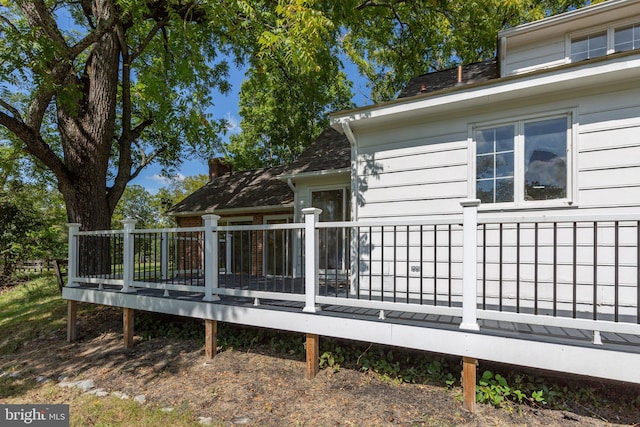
column 232, row 211
column 313, row 174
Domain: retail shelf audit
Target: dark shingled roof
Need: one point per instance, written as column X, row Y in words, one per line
column 262, row 187
column 431, row 82
column 255, row 188
column 330, row 151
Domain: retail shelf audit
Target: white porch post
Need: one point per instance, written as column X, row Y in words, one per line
column 210, row 257
column 469, row 264
column 311, row 259
column 129, row 252
column 72, row 267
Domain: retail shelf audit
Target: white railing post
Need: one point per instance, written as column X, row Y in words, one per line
column 311, row 259
column 72, row 266
column 469, row 264
column 128, row 261
column 164, row 255
column 210, row 257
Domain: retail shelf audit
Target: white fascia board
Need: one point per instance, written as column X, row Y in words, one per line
column 314, row 174
column 570, row 77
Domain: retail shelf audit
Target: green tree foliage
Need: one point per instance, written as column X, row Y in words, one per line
column 32, row 221
column 392, row 41
column 149, row 209
column 389, row 41
column 283, row 112
column 98, row 90
column 137, row 203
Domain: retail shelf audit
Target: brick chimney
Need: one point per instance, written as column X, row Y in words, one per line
column 218, row 167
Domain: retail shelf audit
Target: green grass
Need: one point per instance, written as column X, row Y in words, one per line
column 29, row 310
column 35, row 308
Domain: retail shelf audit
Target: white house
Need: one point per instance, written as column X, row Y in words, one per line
column 490, row 212
column 551, row 130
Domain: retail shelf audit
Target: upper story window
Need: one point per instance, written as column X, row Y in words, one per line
column 588, row 47
column 627, row 38
column 607, row 41
column 523, row 161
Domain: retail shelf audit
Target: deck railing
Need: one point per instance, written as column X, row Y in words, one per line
column 567, row 271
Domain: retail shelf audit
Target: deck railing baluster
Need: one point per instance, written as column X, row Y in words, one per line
column 595, row 270
column 535, row 269
column 616, row 272
column 500, row 255
column 435, row 265
column 555, row 269
column 575, row 269
column 518, row 268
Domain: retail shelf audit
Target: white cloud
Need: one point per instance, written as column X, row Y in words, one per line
column 165, row 180
column 232, row 124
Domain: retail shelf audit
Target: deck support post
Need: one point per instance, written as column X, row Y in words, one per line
column 313, row 355
column 72, row 266
column 72, row 318
column 128, row 255
column 127, row 325
column 210, row 257
column 469, row 264
column 210, row 338
column 469, row 383
column 311, row 259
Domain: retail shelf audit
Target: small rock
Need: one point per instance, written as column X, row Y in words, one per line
column 16, row 374
column 166, row 409
column 240, row 420
column 65, row 384
column 62, row 378
column 84, row 385
column 141, row 399
column 42, row 379
column 205, row 421
column 100, row 392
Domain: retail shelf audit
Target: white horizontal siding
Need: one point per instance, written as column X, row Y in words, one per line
column 541, row 55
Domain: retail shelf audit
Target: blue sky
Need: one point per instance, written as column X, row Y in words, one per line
column 226, row 106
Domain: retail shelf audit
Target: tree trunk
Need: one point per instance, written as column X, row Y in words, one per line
column 87, row 130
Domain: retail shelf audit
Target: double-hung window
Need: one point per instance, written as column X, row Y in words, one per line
column 523, row 161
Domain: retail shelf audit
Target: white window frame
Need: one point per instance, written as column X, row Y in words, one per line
column 346, row 190
column 609, row 28
column 346, row 212
column 519, row 170
column 228, row 237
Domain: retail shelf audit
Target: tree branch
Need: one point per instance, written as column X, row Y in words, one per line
column 35, row 145
column 12, row 110
column 159, row 25
column 39, row 17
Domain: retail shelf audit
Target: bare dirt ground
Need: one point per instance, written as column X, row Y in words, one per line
column 252, row 387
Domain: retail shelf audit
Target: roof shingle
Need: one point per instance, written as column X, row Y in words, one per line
column 431, row 82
